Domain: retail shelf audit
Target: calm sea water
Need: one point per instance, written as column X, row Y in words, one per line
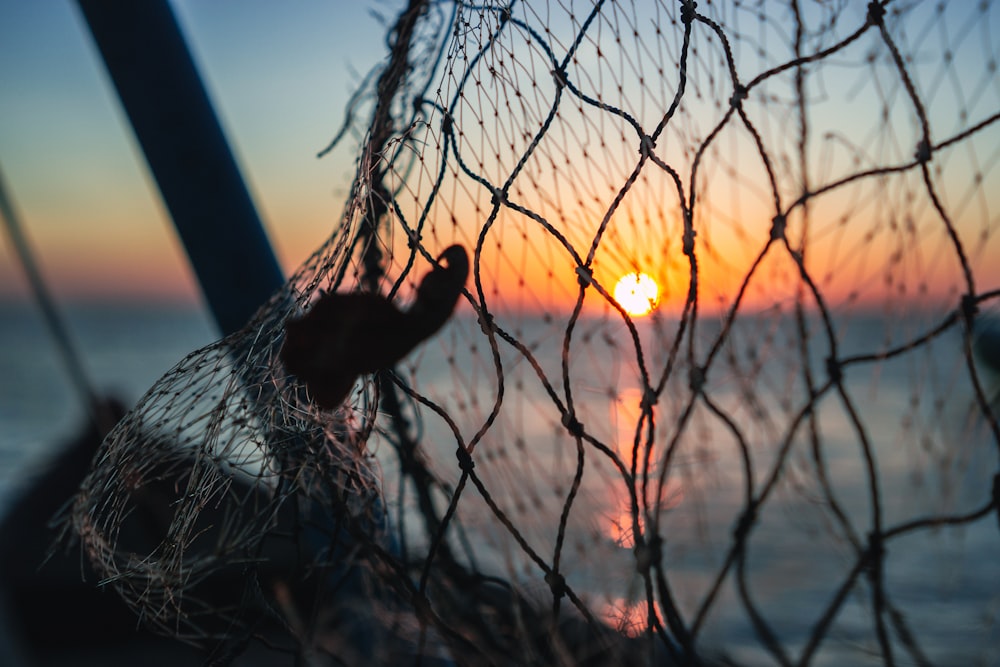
column 934, row 455
column 124, row 349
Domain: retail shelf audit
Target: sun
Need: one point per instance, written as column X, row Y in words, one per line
column 637, row 293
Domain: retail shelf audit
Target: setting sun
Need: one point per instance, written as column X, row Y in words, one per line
column 637, row 293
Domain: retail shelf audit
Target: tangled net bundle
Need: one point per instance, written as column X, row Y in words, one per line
column 773, row 467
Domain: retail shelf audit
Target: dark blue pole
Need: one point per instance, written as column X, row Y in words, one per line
column 189, row 157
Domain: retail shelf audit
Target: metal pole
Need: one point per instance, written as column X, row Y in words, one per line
column 187, row 152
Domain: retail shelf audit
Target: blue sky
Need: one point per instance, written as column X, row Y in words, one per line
column 279, row 75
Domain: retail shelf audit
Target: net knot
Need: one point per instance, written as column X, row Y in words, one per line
column 557, row 583
column 465, row 462
column 584, row 276
column 778, row 224
column 875, row 551
column 696, row 379
column 969, row 310
column 559, row 74
column 745, row 523
column 498, row 197
column 486, row 323
column 648, row 400
column 688, row 11
column 739, row 94
column 876, row 12
column 572, row 425
column 646, row 146
column 923, row 152
column 689, row 235
column 413, row 238
column 646, row 554
column 834, row 370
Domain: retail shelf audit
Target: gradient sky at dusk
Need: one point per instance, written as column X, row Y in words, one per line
column 279, row 75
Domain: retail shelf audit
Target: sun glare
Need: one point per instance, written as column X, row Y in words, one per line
column 637, row 293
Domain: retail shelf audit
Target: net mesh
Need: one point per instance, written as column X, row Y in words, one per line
column 790, row 459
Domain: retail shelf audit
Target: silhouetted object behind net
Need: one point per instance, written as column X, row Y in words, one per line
column 188, row 156
column 346, row 335
column 771, row 462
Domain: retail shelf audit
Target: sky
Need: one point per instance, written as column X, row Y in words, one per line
column 279, row 75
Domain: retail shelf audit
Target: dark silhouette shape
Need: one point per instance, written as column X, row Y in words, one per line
column 166, row 103
column 54, row 616
column 346, row 335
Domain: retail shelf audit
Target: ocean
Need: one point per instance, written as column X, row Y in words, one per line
column 934, row 456
column 124, row 348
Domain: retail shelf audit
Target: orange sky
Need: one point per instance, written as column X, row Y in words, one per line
column 280, row 80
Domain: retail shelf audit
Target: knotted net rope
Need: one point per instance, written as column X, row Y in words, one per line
column 766, row 467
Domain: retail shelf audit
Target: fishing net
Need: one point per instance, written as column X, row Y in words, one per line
column 786, row 454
